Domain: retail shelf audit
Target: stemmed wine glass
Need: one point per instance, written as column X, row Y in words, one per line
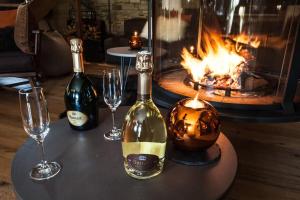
column 35, row 118
column 112, row 94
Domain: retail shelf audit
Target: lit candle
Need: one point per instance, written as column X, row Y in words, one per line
column 192, row 48
column 135, row 41
column 192, row 117
column 195, row 103
column 193, row 124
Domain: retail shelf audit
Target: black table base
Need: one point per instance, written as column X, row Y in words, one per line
column 194, row 158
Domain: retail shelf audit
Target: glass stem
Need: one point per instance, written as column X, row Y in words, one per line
column 113, row 118
column 43, row 161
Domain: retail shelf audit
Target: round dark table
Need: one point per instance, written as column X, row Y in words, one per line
column 93, row 169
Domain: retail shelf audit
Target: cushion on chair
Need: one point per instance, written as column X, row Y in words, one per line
column 15, row 61
column 55, row 55
column 7, row 42
column 25, row 24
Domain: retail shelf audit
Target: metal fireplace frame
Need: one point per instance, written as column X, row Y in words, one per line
column 286, row 111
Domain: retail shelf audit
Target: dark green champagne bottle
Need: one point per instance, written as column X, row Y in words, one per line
column 80, row 95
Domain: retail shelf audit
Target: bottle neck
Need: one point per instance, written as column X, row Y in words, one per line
column 77, row 62
column 78, row 74
column 144, row 91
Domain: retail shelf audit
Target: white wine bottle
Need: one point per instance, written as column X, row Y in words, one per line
column 144, row 133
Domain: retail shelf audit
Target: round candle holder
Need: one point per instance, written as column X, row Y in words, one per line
column 193, row 128
column 135, row 42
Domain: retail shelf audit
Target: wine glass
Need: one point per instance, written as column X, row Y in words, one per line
column 35, row 118
column 112, row 94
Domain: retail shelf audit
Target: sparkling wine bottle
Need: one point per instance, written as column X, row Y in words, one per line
column 144, row 131
column 80, row 95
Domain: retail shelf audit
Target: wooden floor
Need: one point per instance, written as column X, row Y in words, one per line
column 269, row 154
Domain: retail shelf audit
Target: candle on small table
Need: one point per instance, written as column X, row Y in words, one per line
column 135, row 41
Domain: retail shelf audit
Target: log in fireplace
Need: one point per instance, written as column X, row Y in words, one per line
column 243, row 56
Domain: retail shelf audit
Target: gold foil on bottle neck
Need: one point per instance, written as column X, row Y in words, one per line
column 144, row 66
column 76, row 49
column 76, row 45
column 144, row 62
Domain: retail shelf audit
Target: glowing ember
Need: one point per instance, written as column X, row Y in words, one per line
column 218, row 61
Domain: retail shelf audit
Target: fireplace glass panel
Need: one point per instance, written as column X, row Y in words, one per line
column 297, row 96
column 226, row 51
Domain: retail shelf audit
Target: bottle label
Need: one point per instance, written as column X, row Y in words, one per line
column 77, row 118
column 143, row 162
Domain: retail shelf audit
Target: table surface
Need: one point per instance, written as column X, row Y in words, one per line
column 127, row 52
column 122, row 52
column 93, row 169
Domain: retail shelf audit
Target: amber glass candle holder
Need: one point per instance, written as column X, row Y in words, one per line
column 193, row 128
column 135, row 42
column 193, row 125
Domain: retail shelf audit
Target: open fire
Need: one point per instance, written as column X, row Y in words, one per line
column 240, row 57
column 220, row 62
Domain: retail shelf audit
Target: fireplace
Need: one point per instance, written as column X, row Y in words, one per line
column 239, row 55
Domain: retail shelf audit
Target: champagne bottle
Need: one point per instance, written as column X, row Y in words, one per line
column 80, row 95
column 144, row 131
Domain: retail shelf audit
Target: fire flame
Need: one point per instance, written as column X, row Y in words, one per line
column 246, row 39
column 217, row 57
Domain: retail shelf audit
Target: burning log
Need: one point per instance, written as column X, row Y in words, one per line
column 221, row 62
column 234, row 81
column 241, row 49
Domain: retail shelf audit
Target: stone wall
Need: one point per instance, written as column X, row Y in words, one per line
column 60, row 15
column 121, row 10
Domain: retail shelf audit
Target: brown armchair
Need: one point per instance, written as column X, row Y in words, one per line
column 13, row 61
column 36, row 52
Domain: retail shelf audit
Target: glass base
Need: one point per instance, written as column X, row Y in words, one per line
column 113, row 135
column 45, row 171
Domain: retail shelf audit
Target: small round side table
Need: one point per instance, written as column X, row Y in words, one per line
column 123, row 52
column 93, row 169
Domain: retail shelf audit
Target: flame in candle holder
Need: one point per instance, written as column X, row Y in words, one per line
column 195, row 103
